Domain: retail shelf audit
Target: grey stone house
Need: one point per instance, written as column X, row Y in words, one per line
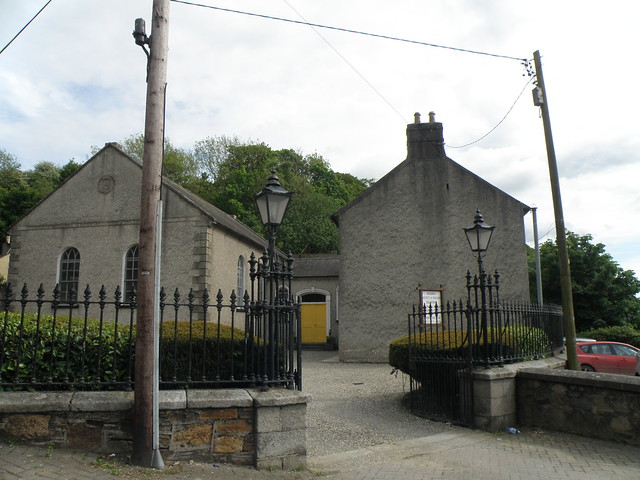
column 86, row 233
column 406, row 233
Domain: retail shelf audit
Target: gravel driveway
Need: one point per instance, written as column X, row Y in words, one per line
column 357, row 405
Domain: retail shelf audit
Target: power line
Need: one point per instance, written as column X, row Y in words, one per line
column 357, row 32
column 23, row 28
column 523, row 61
column 347, row 62
column 498, row 124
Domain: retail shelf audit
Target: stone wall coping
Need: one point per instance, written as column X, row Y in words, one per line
column 278, row 397
column 512, row 369
column 223, row 398
column 624, row 383
column 35, row 402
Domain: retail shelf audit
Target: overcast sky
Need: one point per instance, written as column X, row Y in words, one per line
column 74, row 79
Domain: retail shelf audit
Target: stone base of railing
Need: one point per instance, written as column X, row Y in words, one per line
column 237, row 426
column 494, row 393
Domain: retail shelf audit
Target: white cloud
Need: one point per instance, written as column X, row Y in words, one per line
column 75, row 79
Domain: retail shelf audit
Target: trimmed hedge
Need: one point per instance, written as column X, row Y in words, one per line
column 87, row 354
column 211, row 360
column 57, row 350
column 455, row 345
column 622, row 334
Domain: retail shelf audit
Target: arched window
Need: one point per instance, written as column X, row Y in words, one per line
column 240, row 285
column 69, row 273
column 130, row 272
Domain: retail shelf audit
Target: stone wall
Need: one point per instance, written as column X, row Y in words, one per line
column 494, row 392
column 597, row 405
column 243, row 427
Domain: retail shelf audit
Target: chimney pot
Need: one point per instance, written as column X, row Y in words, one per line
column 416, row 117
column 432, row 117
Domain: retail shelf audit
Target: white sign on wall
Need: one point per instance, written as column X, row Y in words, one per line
column 431, row 305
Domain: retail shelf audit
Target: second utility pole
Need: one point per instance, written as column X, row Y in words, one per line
column 561, row 238
column 143, row 451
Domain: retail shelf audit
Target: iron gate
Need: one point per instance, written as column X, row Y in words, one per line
column 442, row 390
column 446, row 343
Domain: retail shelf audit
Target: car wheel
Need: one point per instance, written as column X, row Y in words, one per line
column 587, row 368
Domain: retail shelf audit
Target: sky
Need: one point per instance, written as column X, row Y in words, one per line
column 74, row 79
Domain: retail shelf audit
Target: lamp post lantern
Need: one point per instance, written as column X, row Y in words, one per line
column 479, row 235
column 272, row 203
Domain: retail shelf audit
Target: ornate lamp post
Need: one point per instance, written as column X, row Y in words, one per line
column 479, row 235
column 272, row 203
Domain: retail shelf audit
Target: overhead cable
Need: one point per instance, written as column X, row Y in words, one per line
column 364, row 79
column 498, row 124
column 23, row 28
column 347, row 30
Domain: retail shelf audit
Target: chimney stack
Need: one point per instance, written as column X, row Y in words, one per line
column 425, row 140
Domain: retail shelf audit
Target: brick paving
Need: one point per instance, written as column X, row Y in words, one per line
column 455, row 455
column 465, row 454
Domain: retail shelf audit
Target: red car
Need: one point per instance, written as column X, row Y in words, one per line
column 608, row 357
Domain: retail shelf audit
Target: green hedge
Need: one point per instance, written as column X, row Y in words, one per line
column 621, row 334
column 181, row 341
column 448, row 344
column 64, row 358
column 66, row 351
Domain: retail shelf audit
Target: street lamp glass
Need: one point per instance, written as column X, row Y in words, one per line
column 479, row 234
column 272, row 202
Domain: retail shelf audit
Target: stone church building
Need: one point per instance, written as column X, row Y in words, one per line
column 86, row 233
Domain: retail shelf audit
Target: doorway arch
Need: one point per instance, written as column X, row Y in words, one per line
column 315, row 315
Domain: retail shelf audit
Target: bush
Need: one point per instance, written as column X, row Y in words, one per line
column 58, row 351
column 212, row 358
column 516, row 342
column 622, row 334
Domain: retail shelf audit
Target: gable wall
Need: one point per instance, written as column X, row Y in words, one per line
column 103, row 226
column 407, row 230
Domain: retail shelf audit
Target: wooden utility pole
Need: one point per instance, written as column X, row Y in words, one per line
column 143, row 451
column 561, row 238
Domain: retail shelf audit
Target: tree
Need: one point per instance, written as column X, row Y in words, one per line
column 69, row 169
column 211, row 152
column 20, row 191
column 10, row 174
column 603, row 293
column 318, row 193
column 44, row 177
column 178, row 164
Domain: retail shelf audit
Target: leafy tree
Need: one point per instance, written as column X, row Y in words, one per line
column 10, row 174
column 69, row 169
column 211, row 152
column 44, row 177
column 319, row 192
column 178, row 164
column 603, row 293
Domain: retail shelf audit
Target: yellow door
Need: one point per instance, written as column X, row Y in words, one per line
column 314, row 323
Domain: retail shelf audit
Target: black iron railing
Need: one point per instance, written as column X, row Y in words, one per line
column 88, row 343
column 446, row 343
column 486, row 333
